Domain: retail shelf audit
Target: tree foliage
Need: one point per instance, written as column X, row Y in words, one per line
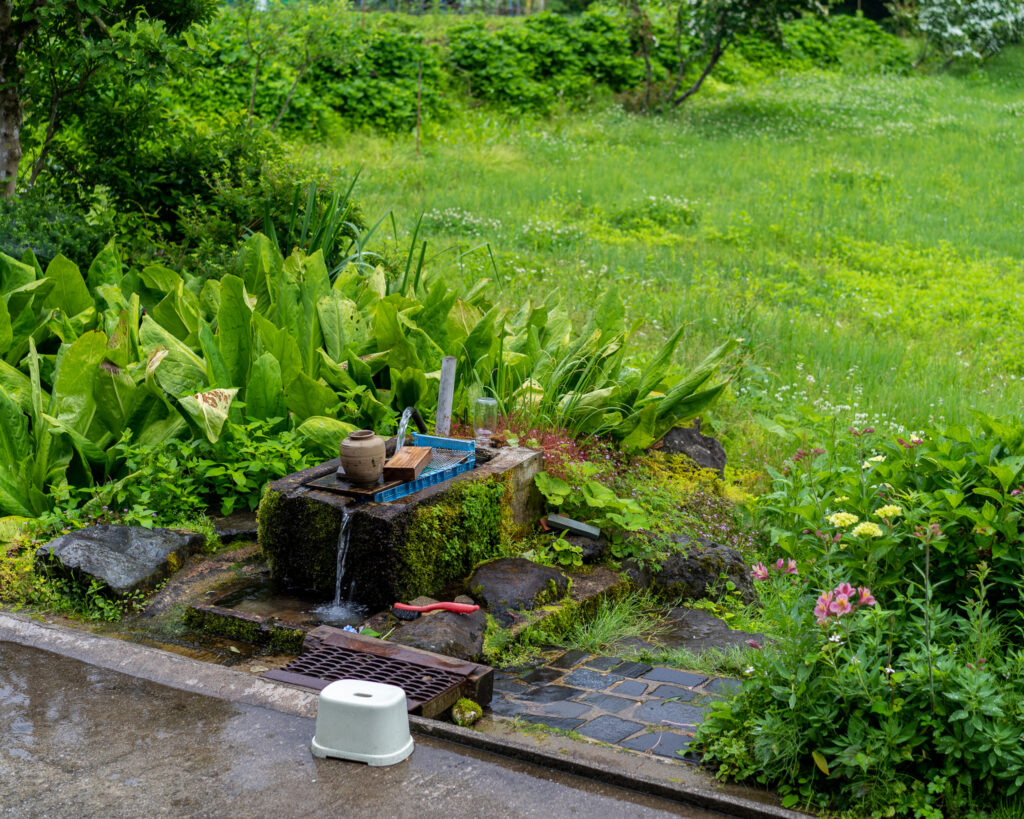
column 62, row 60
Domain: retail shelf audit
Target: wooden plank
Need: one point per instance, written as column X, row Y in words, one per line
column 407, row 463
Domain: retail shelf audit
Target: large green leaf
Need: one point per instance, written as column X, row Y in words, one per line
column 73, row 403
column 216, row 368
column 264, row 395
column 14, row 274
column 306, row 397
column 18, row 386
column 341, row 324
column 116, row 395
column 391, row 338
column 69, row 292
column 106, row 268
column 209, row 410
column 408, row 388
column 325, row 433
column 6, row 330
column 281, row 345
column 234, row 329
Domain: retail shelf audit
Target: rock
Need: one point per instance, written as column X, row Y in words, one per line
column 515, row 584
column 126, row 558
column 703, row 449
column 697, row 631
column 699, row 570
column 444, row 632
column 594, row 549
column 465, row 712
column 236, row 526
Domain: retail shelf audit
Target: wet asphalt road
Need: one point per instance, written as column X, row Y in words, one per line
column 80, row 741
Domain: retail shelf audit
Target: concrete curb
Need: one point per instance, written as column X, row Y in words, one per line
column 184, row 673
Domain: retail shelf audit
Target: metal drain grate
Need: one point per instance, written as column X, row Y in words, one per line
column 329, row 663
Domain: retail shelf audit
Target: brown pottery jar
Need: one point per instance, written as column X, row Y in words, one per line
column 362, row 456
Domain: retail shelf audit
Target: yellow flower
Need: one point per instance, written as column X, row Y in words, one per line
column 842, row 498
column 889, row 511
column 842, row 519
column 867, row 529
column 877, row 459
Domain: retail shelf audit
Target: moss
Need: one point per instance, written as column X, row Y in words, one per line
column 285, row 640
column 447, row 538
column 222, row 625
column 173, row 562
column 299, row 538
column 465, row 712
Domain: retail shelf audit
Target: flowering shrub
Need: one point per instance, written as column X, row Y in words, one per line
column 868, row 506
column 882, row 711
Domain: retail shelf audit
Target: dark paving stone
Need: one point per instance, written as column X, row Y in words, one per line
column 569, row 659
column 662, row 743
column 542, row 676
column 671, row 675
column 657, row 711
column 724, row 685
column 665, row 691
column 506, row 708
column 564, row 708
column 631, row 688
column 610, row 729
column 510, row 685
column 698, row 631
column 606, row 702
column 561, row 723
column 594, row 680
column 632, row 669
column 603, row 663
column 550, row 693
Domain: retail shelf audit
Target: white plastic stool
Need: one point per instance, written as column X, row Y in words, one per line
column 362, row 721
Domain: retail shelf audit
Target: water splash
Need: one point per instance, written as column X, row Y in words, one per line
column 341, row 612
column 403, row 425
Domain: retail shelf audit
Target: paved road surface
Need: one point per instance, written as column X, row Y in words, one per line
column 79, row 741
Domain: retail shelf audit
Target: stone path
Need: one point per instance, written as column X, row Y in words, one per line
column 632, row 705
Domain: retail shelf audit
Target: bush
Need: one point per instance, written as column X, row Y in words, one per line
column 893, row 686
column 39, row 221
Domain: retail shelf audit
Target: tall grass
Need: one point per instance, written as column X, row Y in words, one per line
column 861, row 233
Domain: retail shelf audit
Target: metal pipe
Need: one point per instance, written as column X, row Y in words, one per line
column 445, row 397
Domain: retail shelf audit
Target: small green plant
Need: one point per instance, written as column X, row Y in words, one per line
column 556, row 551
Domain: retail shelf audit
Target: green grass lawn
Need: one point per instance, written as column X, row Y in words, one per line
column 862, row 233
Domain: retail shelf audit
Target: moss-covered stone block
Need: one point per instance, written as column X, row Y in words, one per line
column 400, row 550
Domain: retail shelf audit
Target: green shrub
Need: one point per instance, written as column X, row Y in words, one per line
column 896, row 710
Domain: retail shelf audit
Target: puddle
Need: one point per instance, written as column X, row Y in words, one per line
column 259, row 598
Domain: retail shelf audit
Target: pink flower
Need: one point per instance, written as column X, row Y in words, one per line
column 866, row 599
column 753, row 644
column 759, row 572
column 822, row 609
column 791, row 567
column 841, row 605
column 845, row 589
column 780, row 564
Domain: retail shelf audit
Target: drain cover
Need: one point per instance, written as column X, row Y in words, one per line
column 432, row 683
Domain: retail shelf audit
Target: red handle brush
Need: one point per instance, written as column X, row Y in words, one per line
column 404, row 611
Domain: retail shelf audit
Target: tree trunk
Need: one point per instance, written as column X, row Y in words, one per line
column 10, row 103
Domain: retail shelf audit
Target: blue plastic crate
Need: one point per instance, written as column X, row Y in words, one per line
column 433, row 475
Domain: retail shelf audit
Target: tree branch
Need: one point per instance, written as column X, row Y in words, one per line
column 716, row 55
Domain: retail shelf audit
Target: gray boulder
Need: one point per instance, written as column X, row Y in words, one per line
column 706, row 451
column 698, row 570
column 515, row 584
column 126, row 558
column 444, row 632
column 697, row 631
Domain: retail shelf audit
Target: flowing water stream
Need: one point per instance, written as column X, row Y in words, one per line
column 341, row 612
column 403, row 425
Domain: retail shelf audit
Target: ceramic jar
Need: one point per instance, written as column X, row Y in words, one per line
column 362, row 456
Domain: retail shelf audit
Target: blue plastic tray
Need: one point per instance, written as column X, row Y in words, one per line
column 452, row 456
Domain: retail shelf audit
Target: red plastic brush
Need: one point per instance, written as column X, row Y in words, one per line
column 403, row 611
